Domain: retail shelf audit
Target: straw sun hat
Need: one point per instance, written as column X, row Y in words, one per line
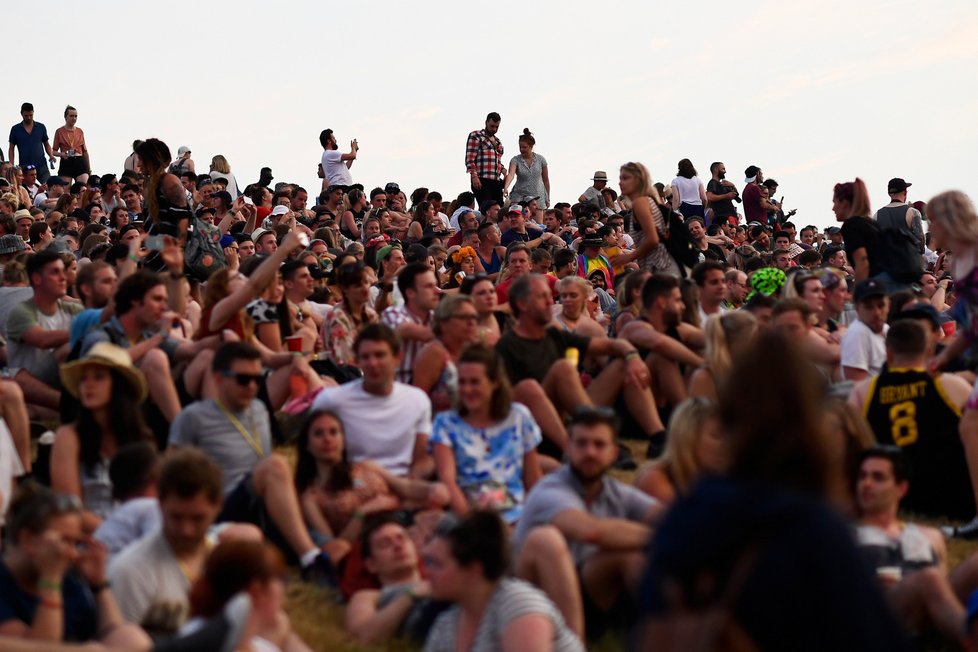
column 106, row 355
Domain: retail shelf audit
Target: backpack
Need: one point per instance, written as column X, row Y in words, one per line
column 203, row 254
column 900, row 255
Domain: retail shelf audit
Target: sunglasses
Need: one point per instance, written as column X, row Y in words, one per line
column 242, row 379
column 30, row 167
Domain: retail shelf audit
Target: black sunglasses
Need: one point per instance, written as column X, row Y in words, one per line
column 243, row 379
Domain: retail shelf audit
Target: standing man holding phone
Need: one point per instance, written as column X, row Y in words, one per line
column 483, row 162
column 336, row 166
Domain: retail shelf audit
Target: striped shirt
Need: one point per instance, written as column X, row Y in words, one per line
column 484, row 155
column 394, row 317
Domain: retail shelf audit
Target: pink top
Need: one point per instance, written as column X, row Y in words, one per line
column 65, row 140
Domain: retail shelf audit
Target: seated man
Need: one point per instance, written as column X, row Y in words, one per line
column 583, row 534
column 666, row 343
column 863, row 349
column 233, row 429
column 412, row 321
column 386, row 421
column 909, row 559
column 518, row 263
column 151, row 578
column 37, row 330
column 401, row 607
column 545, row 380
column 908, row 407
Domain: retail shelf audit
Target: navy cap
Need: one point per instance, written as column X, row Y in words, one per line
column 868, row 289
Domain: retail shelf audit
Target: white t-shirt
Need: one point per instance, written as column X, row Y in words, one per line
column 689, row 190
column 382, row 429
column 128, row 522
column 334, row 168
column 147, row 573
column 861, row 348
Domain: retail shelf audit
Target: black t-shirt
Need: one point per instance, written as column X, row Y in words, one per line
column 863, row 233
column 525, row 358
column 80, row 616
column 722, row 207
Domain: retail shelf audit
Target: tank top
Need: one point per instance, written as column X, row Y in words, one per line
column 492, row 265
column 910, row 409
column 910, row 551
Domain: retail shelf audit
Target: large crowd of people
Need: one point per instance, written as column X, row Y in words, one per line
column 426, row 405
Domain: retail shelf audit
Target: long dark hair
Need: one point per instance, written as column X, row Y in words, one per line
column 155, row 157
column 686, row 169
column 126, row 422
column 340, row 479
column 502, row 397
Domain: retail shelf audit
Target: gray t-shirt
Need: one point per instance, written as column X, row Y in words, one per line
column 41, row 363
column 511, row 600
column 146, row 574
column 204, row 425
column 561, row 490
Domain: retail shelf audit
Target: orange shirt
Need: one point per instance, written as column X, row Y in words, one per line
column 65, row 140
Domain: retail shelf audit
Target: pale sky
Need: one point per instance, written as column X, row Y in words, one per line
column 814, row 93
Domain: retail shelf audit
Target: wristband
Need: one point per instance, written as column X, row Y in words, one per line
column 98, row 587
column 134, row 258
column 48, row 585
column 50, row 604
column 632, row 354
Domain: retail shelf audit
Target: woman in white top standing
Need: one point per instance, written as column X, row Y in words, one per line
column 221, row 169
column 688, row 193
column 532, row 176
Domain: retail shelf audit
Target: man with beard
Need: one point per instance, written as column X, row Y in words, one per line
column 721, row 194
column 602, row 525
column 483, row 162
column 756, row 207
column 336, row 165
column 737, row 288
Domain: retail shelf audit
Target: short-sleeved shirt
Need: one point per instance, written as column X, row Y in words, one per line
column 721, row 207
column 863, row 233
column 382, row 429
column 490, row 454
column 128, row 522
column 861, row 348
column 80, row 617
column 525, row 358
column 112, row 332
column 511, row 600
column 753, row 211
column 30, row 146
column 561, row 490
column 206, row 426
column 41, row 363
column 394, row 317
column 335, row 170
column 145, row 574
column 513, row 235
column 593, row 196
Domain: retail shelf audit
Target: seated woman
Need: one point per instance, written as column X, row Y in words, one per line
column 695, row 446
column 226, row 299
column 52, row 576
column 725, row 335
column 629, row 298
column 256, row 569
column 484, row 298
column 109, row 389
column 341, row 325
column 486, row 449
column 336, row 495
column 435, row 369
column 466, row 562
column 464, row 263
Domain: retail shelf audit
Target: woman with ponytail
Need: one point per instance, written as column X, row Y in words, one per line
column 532, row 176
column 648, row 226
column 166, row 212
column 850, row 203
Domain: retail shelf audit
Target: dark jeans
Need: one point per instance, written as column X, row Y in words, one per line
column 492, row 190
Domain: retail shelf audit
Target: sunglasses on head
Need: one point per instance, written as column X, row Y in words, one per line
column 30, row 167
column 242, row 379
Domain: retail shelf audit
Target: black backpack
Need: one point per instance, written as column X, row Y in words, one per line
column 900, row 255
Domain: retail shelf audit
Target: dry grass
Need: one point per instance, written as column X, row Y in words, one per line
column 318, row 618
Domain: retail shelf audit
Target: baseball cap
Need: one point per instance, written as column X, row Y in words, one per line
column 897, row 184
column 279, row 210
column 183, row 149
column 223, row 194
column 868, row 289
column 416, row 253
column 258, row 233
column 834, row 230
column 515, row 208
column 392, row 187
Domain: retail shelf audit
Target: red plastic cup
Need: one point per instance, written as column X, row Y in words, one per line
column 294, row 343
column 949, row 328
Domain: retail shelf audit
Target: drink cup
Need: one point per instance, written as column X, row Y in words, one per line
column 294, row 343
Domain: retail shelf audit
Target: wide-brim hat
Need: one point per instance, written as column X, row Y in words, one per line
column 107, row 355
column 600, row 175
column 11, row 244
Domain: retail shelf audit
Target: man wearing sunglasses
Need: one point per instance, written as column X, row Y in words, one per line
column 234, row 430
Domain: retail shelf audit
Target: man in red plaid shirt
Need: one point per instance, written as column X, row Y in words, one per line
column 483, row 162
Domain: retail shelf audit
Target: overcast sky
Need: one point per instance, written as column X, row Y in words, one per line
column 814, row 93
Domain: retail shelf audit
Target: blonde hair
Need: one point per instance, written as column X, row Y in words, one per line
column 721, row 332
column 955, row 210
column 582, row 283
column 685, row 429
column 220, row 164
column 646, row 186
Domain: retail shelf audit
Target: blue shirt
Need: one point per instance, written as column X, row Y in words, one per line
column 512, row 236
column 30, row 146
column 80, row 617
